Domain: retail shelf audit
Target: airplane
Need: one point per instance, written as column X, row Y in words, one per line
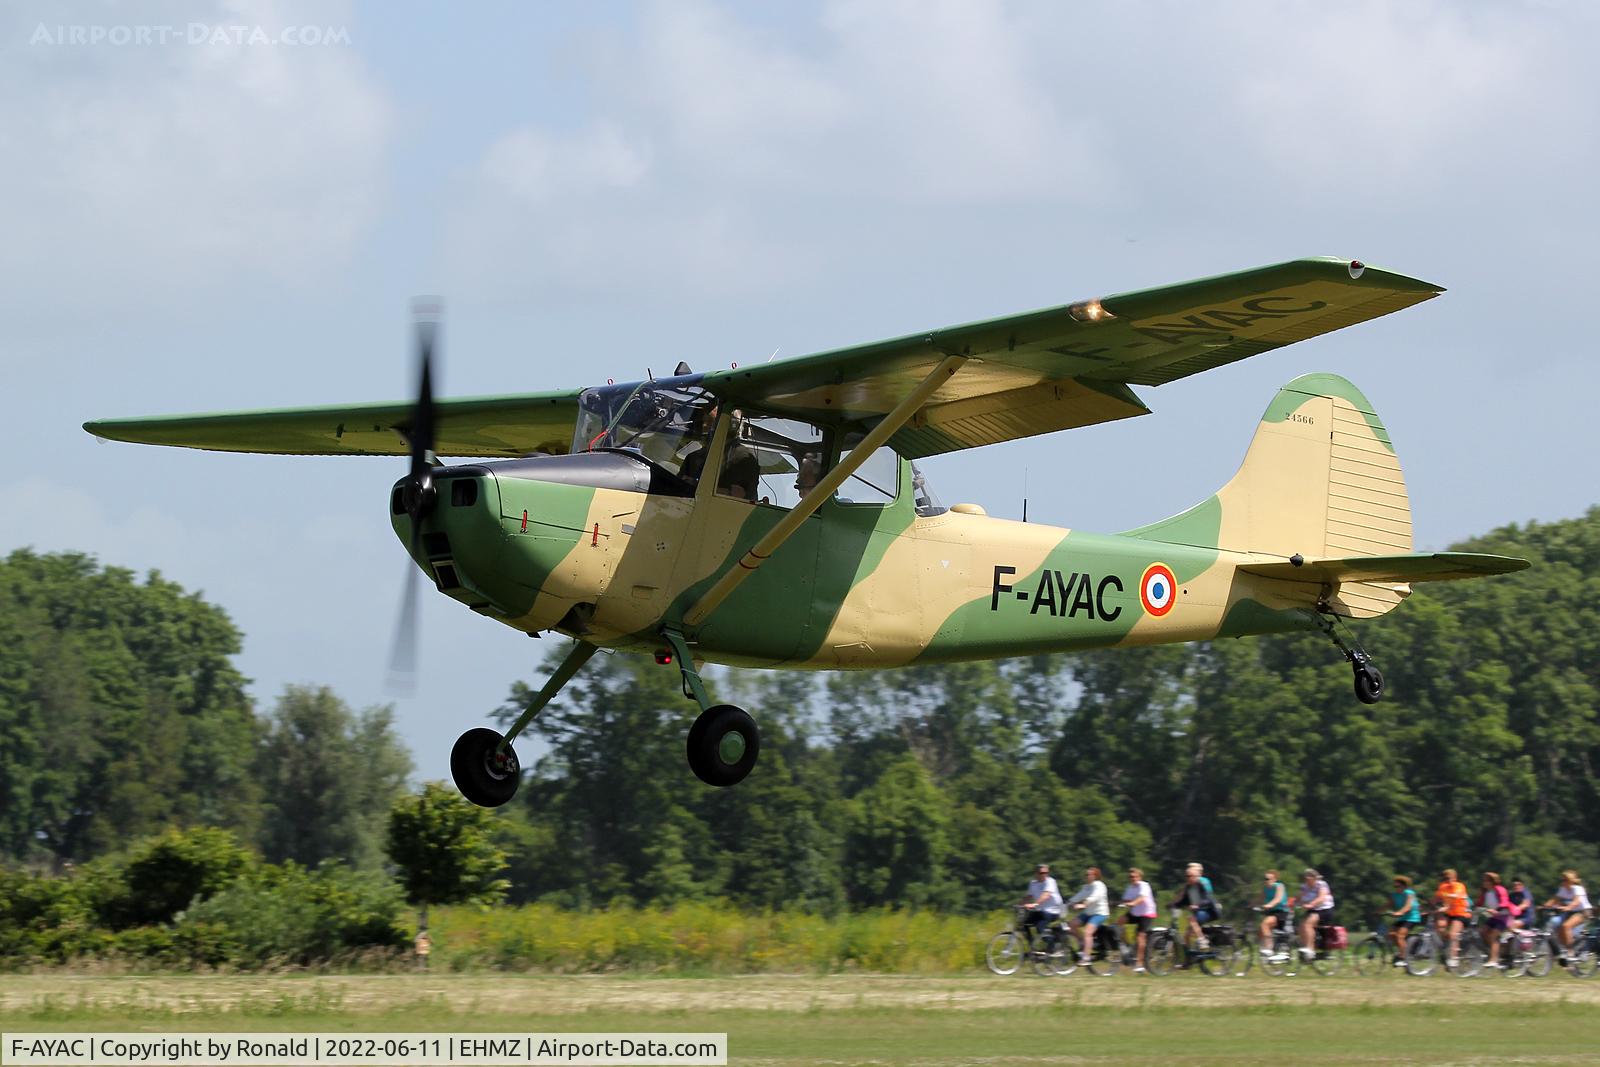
column 775, row 516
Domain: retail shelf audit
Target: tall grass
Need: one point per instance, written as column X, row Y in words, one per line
column 706, row 939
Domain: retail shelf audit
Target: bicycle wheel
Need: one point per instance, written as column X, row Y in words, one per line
column 1421, row 957
column 1004, row 954
column 1471, row 954
column 1327, row 961
column 1540, row 958
column 1106, row 959
column 1583, row 961
column 1160, row 953
column 1244, row 958
column 1217, row 961
column 1278, row 955
column 1056, row 956
column 1372, row 957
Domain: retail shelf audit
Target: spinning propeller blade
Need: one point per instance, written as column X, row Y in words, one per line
column 418, row 495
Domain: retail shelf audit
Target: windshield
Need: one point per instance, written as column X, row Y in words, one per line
column 664, row 424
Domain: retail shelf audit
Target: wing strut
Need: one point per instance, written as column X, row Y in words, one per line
column 763, row 549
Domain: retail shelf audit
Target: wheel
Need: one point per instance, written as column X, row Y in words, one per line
column 484, row 773
column 723, row 745
column 1471, row 955
column 1584, row 962
column 1539, row 957
column 1217, row 961
column 1244, row 958
column 1372, row 957
column 1004, row 954
column 1327, row 961
column 1278, row 955
column 1369, row 683
column 1106, row 958
column 1160, row 953
column 1056, row 956
column 1420, row 958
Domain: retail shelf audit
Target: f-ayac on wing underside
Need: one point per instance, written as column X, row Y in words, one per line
column 1033, row 373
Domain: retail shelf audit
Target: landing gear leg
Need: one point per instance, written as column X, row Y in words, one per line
column 724, row 741
column 1368, row 679
column 484, row 764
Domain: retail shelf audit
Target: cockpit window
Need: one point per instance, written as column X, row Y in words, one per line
column 925, row 499
column 771, row 460
column 664, row 424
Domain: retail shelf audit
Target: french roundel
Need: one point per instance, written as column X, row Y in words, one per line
column 1158, row 589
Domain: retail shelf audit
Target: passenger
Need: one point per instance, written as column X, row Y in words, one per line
column 1317, row 900
column 1497, row 901
column 1572, row 908
column 1454, row 907
column 1274, row 909
column 1521, row 905
column 1406, row 913
column 1140, row 900
column 1093, row 908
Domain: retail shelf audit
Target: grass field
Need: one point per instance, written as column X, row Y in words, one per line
column 880, row 1019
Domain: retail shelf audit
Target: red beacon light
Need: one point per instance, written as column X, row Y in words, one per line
column 663, row 658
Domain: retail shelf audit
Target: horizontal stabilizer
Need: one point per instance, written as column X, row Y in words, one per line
column 1428, row 567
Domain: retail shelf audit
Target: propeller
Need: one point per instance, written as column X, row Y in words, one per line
column 418, row 494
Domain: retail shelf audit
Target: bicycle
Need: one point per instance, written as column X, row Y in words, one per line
column 1582, row 959
column 1008, row 949
column 1427, row 948
column 1109, row 953
column 1527, row 951
column 1376, row 955
column 1167, row 949
column 1286, row 957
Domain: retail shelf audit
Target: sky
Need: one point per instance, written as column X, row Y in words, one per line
column 209, row 206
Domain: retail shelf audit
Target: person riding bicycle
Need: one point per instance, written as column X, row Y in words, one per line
column 1197, row 898
column 1453, row 907
column 1571, row 903
column 1140, row 900
column 1317, row 901
column 1494, row 900
column 1405, row 912
column 1043, row 902
column 1274, row 908
column 1093, row 908
column 1521, row 901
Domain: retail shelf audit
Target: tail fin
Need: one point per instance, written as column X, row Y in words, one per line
column 1321, row 480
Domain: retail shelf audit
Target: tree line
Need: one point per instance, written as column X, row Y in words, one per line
column 121, row 713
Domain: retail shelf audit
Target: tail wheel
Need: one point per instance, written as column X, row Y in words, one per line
column 486, row 773
column 723, row 745
column 1004, row 954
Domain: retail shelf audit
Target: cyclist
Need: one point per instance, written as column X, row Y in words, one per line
column 1521, row 905
column 1317, row 900
column 1140, row 900
column 1406, row 913
column 1572, row 908
column 1093, row 908
column 1453, row 907
column 1044, row 901
column 1197, row 898
column 1495, row 900
column 1274, row 909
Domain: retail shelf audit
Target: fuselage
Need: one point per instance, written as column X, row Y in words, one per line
column 609, row 547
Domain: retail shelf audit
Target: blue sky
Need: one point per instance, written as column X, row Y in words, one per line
column 600, row 188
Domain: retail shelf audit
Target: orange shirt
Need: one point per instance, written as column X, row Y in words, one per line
column 1453, row 895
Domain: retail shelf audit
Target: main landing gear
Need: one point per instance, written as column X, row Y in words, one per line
column 1368, row 679
column 723, row 742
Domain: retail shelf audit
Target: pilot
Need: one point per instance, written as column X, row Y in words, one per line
column 741, row 471
column 809, row 474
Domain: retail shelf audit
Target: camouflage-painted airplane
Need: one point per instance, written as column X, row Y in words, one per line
column 772, row 515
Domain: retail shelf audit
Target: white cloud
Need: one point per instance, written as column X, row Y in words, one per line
column 139, row 171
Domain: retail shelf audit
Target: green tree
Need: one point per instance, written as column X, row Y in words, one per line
column 332, row 775
column 445, row 849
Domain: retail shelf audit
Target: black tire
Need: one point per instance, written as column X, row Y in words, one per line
column 723, row 745
column 1372, row 958
column 1004, row 954
column 1217, row 961
column 1471, row 955
column 1106, row 958
column 1160, row 953
column 1369, row 684
column 1541, row 958
column 1421, row 957
column 484, row 775
column 1327, row 961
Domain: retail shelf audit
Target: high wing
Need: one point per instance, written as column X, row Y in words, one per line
column 471, row 426
column 1071, row 365
column 1027, row 374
